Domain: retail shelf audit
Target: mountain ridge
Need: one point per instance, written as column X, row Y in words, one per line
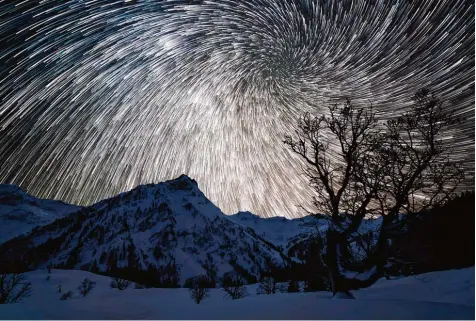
column 170, row 228
column 20, row 212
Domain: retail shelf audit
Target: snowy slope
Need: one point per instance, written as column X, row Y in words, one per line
column 170, row 227
column 452, row 286
column 279, row 230
column 21, row 212
column 444, row 295
column 294, row 236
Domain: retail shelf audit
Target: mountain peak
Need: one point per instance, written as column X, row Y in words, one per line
column 169, row 229
column 183, row 182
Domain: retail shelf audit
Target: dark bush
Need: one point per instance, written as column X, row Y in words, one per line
column 66, row 295
column 234, row 286
column 120, row 284
column 86, row 287
column 199, row 289
column 267, row 286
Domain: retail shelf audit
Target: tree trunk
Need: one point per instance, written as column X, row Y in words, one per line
column 381, row 253
column 332, row 262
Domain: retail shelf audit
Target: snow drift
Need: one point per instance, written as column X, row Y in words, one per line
column 435, row 295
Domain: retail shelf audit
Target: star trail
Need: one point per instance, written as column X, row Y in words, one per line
column 97, row 97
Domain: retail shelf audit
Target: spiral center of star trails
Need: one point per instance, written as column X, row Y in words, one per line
column 100, row 96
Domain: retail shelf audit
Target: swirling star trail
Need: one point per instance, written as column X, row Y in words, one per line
column 100, row 96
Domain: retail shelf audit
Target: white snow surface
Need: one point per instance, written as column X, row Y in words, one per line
column 435, row 295
column 278, row 230
column 21, row 212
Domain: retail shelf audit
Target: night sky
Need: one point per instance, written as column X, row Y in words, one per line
column 97, row 97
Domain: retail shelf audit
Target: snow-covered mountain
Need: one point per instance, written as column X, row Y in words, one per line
column 280, row 230
column 294, row 237
column 20, row 212
column 169, row 230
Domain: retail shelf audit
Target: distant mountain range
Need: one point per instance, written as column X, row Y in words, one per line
column 21, row 212
column 170, row 229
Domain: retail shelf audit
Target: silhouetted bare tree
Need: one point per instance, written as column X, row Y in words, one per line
column 360, row 166
column 419, row 172
column 338, row 149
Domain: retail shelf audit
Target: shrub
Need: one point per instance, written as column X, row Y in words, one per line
column 120, row 284
column 86, row 287
column 199, row 289
column 267, row 286
column 234, row 286
column 66, row 295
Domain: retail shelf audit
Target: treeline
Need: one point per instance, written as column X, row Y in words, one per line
column 440, row 238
